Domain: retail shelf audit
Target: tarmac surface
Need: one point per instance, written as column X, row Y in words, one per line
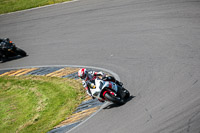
column 153, row 45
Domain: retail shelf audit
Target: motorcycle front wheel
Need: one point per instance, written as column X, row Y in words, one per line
column 127, row 93
column 20, row 52
column 115, row 100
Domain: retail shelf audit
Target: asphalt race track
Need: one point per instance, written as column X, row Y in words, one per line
column 153, row 45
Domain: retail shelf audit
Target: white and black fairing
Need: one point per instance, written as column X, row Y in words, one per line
column 98, row 88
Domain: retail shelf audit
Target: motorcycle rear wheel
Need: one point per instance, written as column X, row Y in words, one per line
column 115, row 100
column 2, row 58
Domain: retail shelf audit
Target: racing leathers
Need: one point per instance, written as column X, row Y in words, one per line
column 5, row 44
column 91, row 75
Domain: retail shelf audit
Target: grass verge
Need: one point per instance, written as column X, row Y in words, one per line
column 33, row 104
column 16, row 5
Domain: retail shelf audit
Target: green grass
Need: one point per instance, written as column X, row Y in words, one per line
column 16, row 5
column 35, row 104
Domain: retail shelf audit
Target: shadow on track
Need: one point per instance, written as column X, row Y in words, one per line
column 13, row 58
column 110, row 106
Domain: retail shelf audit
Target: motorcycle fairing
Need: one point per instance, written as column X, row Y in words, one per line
column 101, row 86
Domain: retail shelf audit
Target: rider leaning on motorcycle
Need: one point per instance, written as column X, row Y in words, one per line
column 4, row 45
column 91, row 75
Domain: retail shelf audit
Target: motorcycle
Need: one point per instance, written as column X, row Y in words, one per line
column 8, row 49
column 108, row 91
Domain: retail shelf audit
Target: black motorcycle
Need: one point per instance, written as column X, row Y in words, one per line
column 8, row 49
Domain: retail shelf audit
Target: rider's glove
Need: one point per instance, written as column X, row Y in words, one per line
column 100, row 73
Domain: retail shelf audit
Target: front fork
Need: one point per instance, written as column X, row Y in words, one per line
column 121, row 92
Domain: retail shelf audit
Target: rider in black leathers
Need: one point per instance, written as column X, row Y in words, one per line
column 4, row 46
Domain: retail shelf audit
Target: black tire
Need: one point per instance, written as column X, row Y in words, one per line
column 113, row 99
column 2, row 58
column 21, row 52
column 127, row 93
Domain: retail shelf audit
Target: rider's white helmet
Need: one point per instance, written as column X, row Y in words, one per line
column 82, row 73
